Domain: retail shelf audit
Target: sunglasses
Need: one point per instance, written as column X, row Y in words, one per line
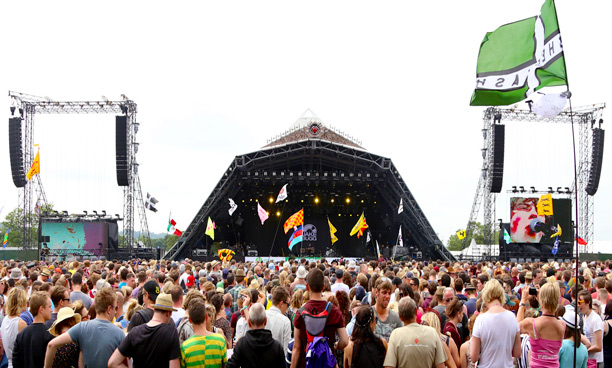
column 448, row 299
column 581, row 302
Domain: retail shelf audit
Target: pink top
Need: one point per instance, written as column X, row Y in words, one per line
column 544, row 353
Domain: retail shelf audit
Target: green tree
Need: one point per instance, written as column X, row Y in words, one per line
column 171, row 240
column 14, row 221
column 478, row 234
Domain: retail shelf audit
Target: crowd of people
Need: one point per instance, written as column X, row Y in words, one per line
column 305, row 313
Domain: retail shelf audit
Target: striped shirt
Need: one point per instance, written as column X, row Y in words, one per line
column 235, row 293
column 200, row 351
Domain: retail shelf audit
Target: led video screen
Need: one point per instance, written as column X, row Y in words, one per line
column 75, row 238
column 526, row 226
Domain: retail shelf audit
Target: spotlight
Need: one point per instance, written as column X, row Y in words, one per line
column 348, row 200
column 271, row 200
column 559, row 190
column 103, row 212
column 316, row 199
column 332, row 200
column 13, row 110
column 277, row 213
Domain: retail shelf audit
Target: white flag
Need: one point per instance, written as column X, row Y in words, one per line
column 282, row 195
column 263, row 215
column 368, row 238
column 233, row 207
column 401, row 207
column 378, row 249
column 400, row 241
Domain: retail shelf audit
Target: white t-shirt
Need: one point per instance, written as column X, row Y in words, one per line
column 497, row 332
column 178, row 315
column 339, row 286
column 592, row 324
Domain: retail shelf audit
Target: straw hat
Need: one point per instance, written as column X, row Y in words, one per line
column 301, row 272
column 63, row 315
column 16, row 274
column 164, row 302
column 45, row 272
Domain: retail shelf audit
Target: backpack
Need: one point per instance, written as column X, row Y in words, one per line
column 318, row 352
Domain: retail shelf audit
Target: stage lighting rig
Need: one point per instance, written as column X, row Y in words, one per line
column 533, row 189
column 522, row 189
column 568, row 190
column 559, row 190
column 514, row 190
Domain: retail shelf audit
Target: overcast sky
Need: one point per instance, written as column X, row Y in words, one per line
column 213, row 80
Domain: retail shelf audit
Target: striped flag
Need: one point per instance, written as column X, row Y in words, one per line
column 360, row 226
column 5, row 242
column 294, row 220
column 263, row 215
column 172, row 228
column 296, row 237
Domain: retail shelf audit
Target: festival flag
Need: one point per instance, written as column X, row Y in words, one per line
column 151, row 202
column 360, row 226
column 294, row 220
column 378, row 249
column 556, row 247
column 172, row 228
column 263, row 215
column 507, row 237
column 558, row 233
column 35, row 168
column 368, row 237
column 400, row 241
column 282, row 195
column 232, row 208
column 545, row 205
column 296, row 237
column 461, row 234
column 210, row 229
column 520, row 58
column 332, row 232
column 225, row 255
column 401, row 207
column 581, row 241
column 5, row 242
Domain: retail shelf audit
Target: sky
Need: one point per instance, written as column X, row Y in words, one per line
column 213, row 80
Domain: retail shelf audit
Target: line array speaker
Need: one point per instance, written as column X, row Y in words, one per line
column 121, row 150
column 497, row 171
column 596, row 161
column 16, row 152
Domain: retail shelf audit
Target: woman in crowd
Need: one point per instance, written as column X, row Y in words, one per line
column 496, row 335
column 450, row 348
column 454, row 312
column 607, row 339
column 79, row 308
column 364, row 348
column 16, row 302
column 545, row 332
column 220, row 321
column 66, row 355
column 464, row 351
column 572, row 337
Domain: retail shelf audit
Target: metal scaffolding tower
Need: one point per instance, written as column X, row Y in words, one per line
column 29, row 105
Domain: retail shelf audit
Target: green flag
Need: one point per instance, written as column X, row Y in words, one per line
column 520, row 58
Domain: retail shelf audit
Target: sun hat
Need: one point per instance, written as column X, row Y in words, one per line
column 254, row 284
column 163, row 302
column 528, row 275
column 45, row 272
column 240, row 272
column 63, row 315
column 301, row 272
column 16, row 274
column 214, row 264
column 569, row 318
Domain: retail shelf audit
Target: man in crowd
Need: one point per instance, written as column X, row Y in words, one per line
column 177, row 303
column 150, row 291
column 235, row 291
column 247, row 353
column 205, row 348
column 153, row 344
column 593, row 328
column 77, row 294
column 60, row 298
column 339, row 285
column 386, row 319
column 31, row 343
column 470, row 291
column 97, row 338
column 413, row 345
column 277, row 321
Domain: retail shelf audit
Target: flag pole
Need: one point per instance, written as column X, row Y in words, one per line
column 276, row 232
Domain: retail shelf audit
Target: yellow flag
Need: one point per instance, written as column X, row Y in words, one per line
column 332, row 232
column 545, row 205
column 35, row 169
column 210, row 229
column 359, row 227
column 461, row 234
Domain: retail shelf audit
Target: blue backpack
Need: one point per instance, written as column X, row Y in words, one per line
column 318, row 352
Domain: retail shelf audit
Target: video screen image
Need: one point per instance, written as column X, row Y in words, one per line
column 526, row 226
column 88, row 238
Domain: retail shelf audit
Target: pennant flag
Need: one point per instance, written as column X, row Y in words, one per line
column 225, row 255
column 35, row 168
column 581, row 241
column 210, row 229
column 282, row 195
column 151, row 202
column 233, row 207
column 558, row 233
column 294, row 220
column 263, row 215
column 461, row 234
column 172, row 228
column 401, row 207
column 400, row 241
column 520, row 58
column 556, row 247
column 296, row 237
column 332, row 232
column 507, row 237
column 359, row 227
column 5, row 242
column 378, row 249
column 545, row 205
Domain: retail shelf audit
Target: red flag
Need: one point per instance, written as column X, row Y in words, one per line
column 581, row 241
column 296, row 219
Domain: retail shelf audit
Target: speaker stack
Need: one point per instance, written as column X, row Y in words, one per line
column 16, row 152
column 121, row 150
column 596, row 161
column 497, row 171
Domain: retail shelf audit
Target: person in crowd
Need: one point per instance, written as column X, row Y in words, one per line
column 454, row 313
column 235, row 291
column 67, row 355
column 153, row 344
column 414, row 345
column 97, row 338
column 150, row 291
column 545, row 332
column 365, row 349
column 593, row 328
column 77, row 293
column 386, row 320
column 300, row 280
column 60, row 297
column 276, row 318
column 177, row 303
column 572, row 342
column 221, row 322
column 205, row 348
column 12, row 324
column 607, row 339
column 247, row 353
column 496, row 335
column 464, row 350
column 451, row 349
column 339, row 284
column 31, row 343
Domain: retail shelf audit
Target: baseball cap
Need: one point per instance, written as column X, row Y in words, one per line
column 152, row 288
column 190, row 281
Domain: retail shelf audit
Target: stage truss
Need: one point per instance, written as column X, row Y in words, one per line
column 28, row 105
column 585, row 118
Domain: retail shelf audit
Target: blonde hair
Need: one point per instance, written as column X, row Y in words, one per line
column 167, row 286
column 432, row 320
column 549, row 296
column 132, row 308
column 16, row 301
column 493, row 291
column 296, row 299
